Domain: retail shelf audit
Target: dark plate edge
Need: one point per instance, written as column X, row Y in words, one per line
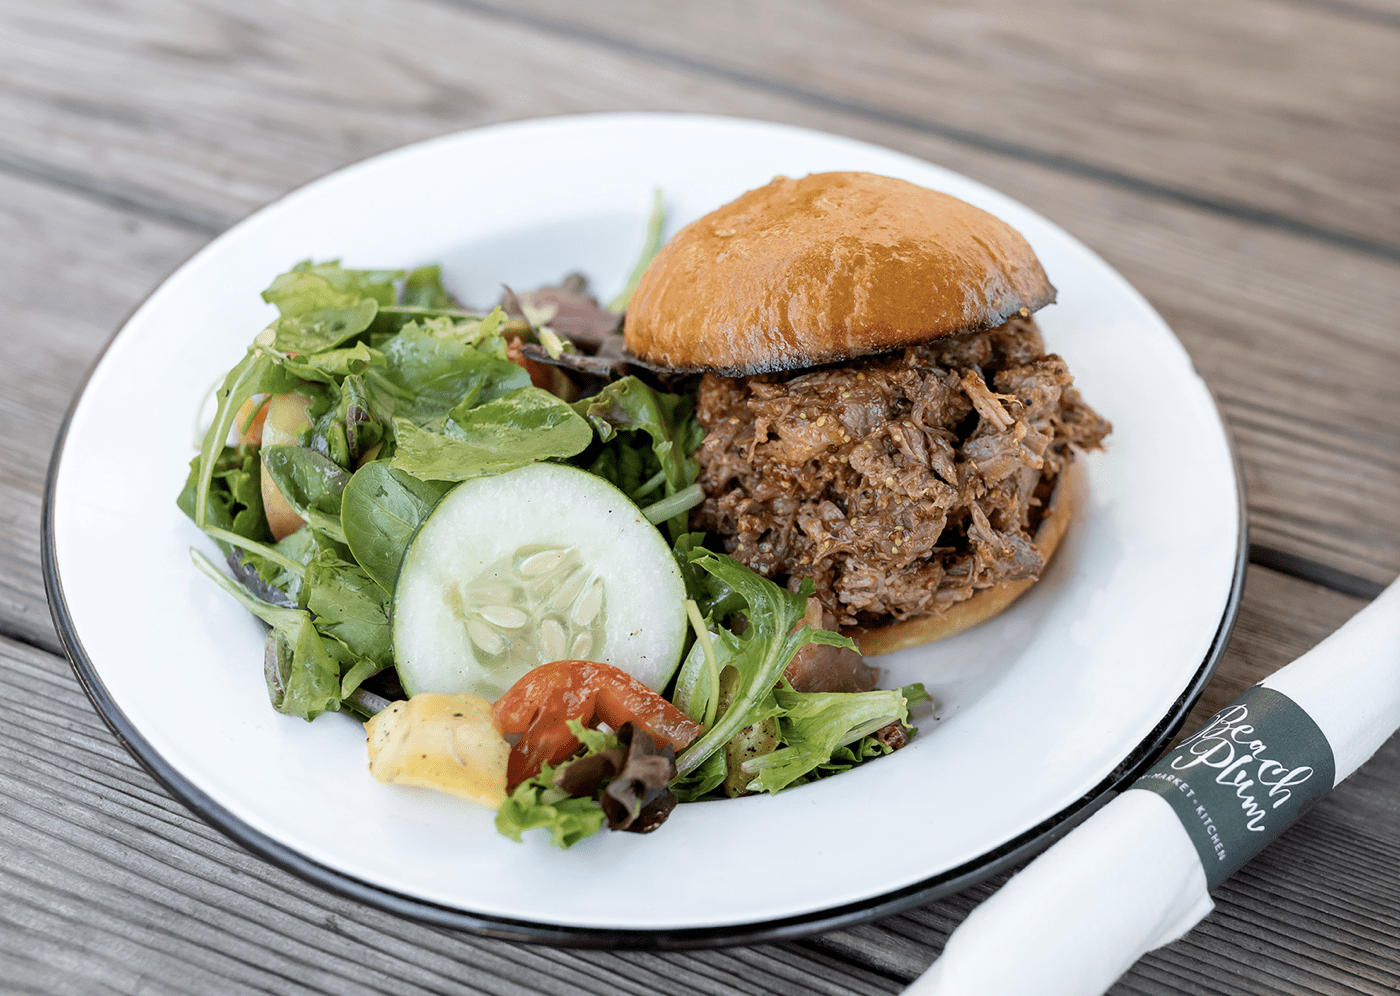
column 946, row 883
column 954, row 880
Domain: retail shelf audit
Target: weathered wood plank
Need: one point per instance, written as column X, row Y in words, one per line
column 1311, row 411
column 72, row 271
column 1317, row 913
column 108, row 878
column 107, row 881
column 1277, row 108
column 1280, row 109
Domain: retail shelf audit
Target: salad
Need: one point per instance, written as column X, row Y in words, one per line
column 471, row 531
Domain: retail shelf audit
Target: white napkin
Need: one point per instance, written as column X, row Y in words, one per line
column 1129, row 879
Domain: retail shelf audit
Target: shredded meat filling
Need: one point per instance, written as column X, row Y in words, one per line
column 900, row 484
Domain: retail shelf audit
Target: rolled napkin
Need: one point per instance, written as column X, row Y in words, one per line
column 1137, row 874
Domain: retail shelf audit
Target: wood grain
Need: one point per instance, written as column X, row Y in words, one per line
column 72, row 271
column 1318, row 912
column 143, row 134
column 107, row 877
column 1213, row 103
column 1234, row 161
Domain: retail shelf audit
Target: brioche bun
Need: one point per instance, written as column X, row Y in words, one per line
column 819, row 270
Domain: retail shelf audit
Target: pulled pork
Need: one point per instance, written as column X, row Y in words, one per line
column 900, row 484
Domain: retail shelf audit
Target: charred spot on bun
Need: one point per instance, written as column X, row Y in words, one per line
column 881, row 414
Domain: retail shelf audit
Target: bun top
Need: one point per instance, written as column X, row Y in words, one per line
column 826, row 268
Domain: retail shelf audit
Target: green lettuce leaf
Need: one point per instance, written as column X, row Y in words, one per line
column 536, row 804
column 527, row 425
column 233, row 496
column 628, row 405
column 648, row 439
column 813, row 724
column 303, row 679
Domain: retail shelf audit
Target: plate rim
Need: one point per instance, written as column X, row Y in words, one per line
column 987, row 864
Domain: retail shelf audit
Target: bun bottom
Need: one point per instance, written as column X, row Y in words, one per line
column 987, row 602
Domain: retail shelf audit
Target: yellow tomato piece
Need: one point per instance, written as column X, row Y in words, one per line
column 282, row 426
column 446, row 742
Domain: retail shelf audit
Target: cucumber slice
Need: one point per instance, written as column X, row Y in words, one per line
column 538, row 564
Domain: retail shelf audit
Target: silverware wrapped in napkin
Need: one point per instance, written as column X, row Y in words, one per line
column 1138, row 873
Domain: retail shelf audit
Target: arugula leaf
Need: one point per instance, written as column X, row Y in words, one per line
column 330, row 365
column 537, row 803
column 650, row 248
column 311, row 483
column 381, row 509
column 764, row 650
column 256, row 373
column 527, row 425
column 350, row 427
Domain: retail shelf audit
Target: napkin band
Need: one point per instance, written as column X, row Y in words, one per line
column 1255, row 767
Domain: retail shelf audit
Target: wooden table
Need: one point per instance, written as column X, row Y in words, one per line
column 1237, row 161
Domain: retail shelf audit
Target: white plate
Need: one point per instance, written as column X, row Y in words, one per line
column 1041, row 712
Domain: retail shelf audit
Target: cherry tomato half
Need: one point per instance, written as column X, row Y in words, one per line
column 539, row 706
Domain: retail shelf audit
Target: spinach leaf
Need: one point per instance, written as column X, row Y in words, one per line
column 311, row 483
column 426, row 376
column 422, row 288
column 380, row 511
column 351, row 607
column 317, row 286
column 527, row 425
column 314, row 331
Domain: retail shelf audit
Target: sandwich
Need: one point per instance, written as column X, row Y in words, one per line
column 882, row 417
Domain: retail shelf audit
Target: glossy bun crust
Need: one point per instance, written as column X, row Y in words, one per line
column 822, row 269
